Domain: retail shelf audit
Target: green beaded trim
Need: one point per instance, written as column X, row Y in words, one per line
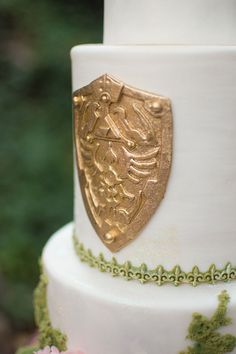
column 204, row 333
column 48, row 336
column 159, row 275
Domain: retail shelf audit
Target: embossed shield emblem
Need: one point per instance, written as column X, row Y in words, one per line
column 123, row 140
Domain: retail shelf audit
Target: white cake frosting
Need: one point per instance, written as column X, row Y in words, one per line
column 105, row 315
column 195, row 223
column 200, row 81
column 185, row 22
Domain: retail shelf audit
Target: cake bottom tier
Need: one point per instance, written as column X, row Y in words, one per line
column 100, row 314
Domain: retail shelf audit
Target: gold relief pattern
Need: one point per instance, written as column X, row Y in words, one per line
column 123, row 140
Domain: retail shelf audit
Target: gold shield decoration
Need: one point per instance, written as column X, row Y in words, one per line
column 123, row 140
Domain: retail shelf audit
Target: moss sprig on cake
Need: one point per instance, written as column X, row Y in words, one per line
column 204, row 331
column 48, row 336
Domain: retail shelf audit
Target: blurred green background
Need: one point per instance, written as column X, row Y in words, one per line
column 36, row 187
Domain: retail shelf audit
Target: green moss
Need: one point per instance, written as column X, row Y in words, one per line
column 27, row 350
column 203, row 331
column 47, row 334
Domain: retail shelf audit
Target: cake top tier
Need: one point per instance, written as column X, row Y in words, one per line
column 189, row 22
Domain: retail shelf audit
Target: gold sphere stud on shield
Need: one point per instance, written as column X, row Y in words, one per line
column 77, row 100
column 156, row 107
column 110, row 236
column 105, row 97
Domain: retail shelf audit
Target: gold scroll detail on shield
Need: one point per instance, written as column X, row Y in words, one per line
column 123, row 140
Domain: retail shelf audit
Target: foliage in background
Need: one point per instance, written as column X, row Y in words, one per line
column 36, row 191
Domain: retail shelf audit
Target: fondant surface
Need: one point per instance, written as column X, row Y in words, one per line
column 104, row 315
column 170, row 22
column 195, row 224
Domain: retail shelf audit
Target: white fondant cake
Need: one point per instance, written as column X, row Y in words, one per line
column 105, row 315
column 195, row 224
column 182, row 22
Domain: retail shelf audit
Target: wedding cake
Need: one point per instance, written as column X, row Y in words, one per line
column 148, row 266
